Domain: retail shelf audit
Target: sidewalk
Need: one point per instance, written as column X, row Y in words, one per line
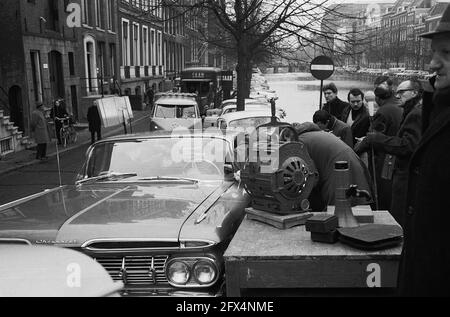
column 18, row 160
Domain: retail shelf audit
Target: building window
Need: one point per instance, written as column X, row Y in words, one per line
column 91, row 64
column 145, row 57
column 112, row 59
column 71, row 64
column 98, row 14
column 158, row 48
column 52, row 15
column 109, row 14
column 125, row 43
column 85, row 12
column 136, row 41
column 36, row 75
column 152, row 48
column 102, row 71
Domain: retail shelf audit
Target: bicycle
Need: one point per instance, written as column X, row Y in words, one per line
column 68, row 133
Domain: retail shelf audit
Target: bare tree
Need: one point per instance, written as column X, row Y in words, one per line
column 255, row 30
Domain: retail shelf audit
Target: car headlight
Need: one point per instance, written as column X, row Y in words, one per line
column 178, row 272
column 204, row 272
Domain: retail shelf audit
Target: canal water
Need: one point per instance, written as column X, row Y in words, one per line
column 298, row 93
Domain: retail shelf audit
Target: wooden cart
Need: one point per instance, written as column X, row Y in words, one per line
column 263, row 257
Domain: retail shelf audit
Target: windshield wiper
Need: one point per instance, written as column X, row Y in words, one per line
column 170, row 178
column 105, row 176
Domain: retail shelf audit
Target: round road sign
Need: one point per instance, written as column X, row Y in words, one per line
column 322, row 67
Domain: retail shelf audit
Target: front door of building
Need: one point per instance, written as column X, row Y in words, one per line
column 16, row 106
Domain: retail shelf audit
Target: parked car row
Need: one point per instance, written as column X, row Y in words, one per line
column 155, row 210
column 399, row 72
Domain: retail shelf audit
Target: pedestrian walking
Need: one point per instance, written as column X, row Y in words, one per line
column 400, row 146
column 325, row 150
column 95, row 123
column 149, row 97
column 356, row 115
column 329, row 123
column 39, row 130
column 58, row 114
column 425, row 267
column 387, row 121
column 334, row 105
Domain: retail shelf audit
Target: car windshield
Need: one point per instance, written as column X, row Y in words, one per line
column 249, row 122
column 193, row 158
column 175, row 111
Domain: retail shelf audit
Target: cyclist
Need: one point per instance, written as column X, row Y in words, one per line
column 58, row 114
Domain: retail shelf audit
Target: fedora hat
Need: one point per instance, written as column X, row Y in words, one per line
column 443, row 25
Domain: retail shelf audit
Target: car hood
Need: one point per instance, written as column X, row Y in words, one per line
column 70, row 216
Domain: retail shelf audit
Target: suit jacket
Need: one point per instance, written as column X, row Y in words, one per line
column 425, row 267
column 387, row 121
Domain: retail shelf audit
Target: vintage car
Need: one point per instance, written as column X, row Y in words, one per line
column 38, row 271
column 157, row 210
column 175, row 110
column 244, row 119
column 230, row 105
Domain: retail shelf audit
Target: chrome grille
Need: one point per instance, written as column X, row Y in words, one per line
column 136, row 270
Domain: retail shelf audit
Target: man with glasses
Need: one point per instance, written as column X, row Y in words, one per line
column 425, row 268
column 401, row 146
column 356, row 114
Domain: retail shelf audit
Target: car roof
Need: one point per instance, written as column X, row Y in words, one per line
column 210, row 133
column 177, row 99
column 228, row 117
column 252, row 106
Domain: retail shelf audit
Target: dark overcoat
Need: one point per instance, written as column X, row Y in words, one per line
column 39, row 127
column 336, row 107
column 94, row 119
column 341, row 130
column 387, row 121
column 425, row 268
column 402, row 146
column 325, row 150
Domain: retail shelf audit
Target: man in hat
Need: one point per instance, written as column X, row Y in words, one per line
column 425, row 268
column 400, row 146
column 39, row 130
column 386, row 121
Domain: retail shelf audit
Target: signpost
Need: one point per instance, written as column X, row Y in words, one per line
column 322, row 67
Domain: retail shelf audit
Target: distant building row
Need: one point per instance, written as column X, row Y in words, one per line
column 123, row 46
column 383, row 34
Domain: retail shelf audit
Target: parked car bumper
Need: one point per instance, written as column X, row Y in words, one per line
column 217, row 291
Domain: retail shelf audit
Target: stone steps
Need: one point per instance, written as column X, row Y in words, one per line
column 8, row 130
